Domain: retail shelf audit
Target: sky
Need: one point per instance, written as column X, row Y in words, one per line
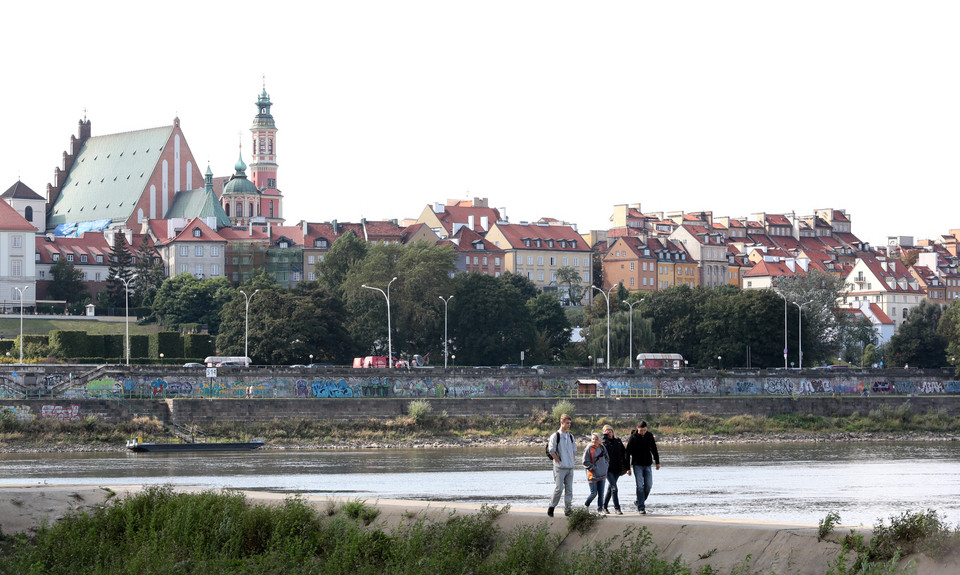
column 547, row 108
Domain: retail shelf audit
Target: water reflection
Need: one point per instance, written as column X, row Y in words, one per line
column 780, row 482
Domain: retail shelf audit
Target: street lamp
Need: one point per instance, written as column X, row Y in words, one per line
column 606, row 295
column 246, row 320
column 386, row 294
column 800, row 332
column 161, row 358
column 126, row 313
column 445, row 302
column 784, row 328
column 311, row 359
column 631, row 304
column 719, row 362
column 454, row 358
column 20, row 291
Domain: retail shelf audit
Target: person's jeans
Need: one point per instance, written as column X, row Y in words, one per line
column 563, row 479
column 596, row 490
column 612, row 477
column 643, row 475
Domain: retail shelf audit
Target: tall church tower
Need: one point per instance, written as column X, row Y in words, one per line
column 263, row 167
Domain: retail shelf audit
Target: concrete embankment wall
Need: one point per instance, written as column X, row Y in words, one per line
column 187, row 411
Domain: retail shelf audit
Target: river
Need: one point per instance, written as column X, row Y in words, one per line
column 785, row 482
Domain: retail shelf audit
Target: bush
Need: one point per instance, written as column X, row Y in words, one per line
column 420, row 410
column 561, row 407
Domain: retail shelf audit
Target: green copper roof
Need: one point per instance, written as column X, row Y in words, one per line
column 109, row 176
column 199, row 203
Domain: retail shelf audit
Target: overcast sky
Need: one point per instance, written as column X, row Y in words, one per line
column 549, row 109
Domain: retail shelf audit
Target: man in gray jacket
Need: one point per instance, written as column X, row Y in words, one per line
column 563, row 449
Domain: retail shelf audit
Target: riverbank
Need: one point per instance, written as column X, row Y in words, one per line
column 723, row 544
column 65, row 445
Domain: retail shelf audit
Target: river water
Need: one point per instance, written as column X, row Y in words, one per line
column 787, row 482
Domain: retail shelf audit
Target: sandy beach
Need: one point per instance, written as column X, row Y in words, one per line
column 723, row 543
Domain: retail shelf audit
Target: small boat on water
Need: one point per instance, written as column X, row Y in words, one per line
column 137, row 445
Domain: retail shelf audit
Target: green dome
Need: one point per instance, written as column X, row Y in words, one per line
column 239, row 184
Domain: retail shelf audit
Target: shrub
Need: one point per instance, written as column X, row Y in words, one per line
column 561, row 407
column 420, row 410
column 582, row 520
column 827, row 524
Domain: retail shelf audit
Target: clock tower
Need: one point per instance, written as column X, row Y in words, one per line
column 263, row 167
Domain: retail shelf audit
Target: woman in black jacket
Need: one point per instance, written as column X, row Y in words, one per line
column 618, row 465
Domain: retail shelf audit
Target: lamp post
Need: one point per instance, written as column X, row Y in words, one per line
column 126, row 314
column 246, row 320
column 784, row 328
column 719, row 362
column 311, row 359
column 606, row 295
column 445, row 302
column 386, row 294
column 20, row 291
column 800, row 332
column 631, row 304
column 454, row 358
column 161, row 358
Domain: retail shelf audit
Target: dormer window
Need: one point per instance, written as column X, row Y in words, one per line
column 197, row 233
column 573, row 244
column 56, row 257
column 69, row 257
column 538, row 243
column 284, row 244
column 549, row 243
column 99, row 259
column 526, row 242
column 321, row 243
column 563, row 243
column 83, row 258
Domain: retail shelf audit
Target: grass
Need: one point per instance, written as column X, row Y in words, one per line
column 10, row 326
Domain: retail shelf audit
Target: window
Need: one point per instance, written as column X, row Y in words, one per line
column 476, row 260
column 96, row 276
column 215, row 251
column 631, row 281
column 36, row 257
column 553, row 261
column 199, row 270
column 99, row 259
column 284, row 244
column 904, row 313
column 214, row 270
column 529, row 260
column 632, row 265
column 566, row 262
column 518, row 260
column 17, row 240
column 183, row 268
column 540, row 275
column 199, row 251
column 310, row 260
column 56, row 257
column 69, row 257
column 28, row 214
column 484, row 260
column 250, row 213
column 496, row 262
column 539, row 260
column 576, row 262
column 312, row 276
column 320, row 243
column 16, row 268
column 83, row 258
column 183, row 251
column 271, row 208
column 197, row 233
column 239, row 210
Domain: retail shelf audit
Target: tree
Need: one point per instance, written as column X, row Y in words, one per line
column 675, row 316
column 345, row 252
column 149, row 274
column 286, row 326
column 571, row 278
column 822, row 290
column 856, row 334
column 919, row 342
column 121, row 268
column 490, row 321
column 186, row 299
column 67, row 282
column 551, row 324
column 949, row 330
column 528, row 289
column 742, row 327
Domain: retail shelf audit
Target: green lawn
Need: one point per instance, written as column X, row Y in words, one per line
column 10, row 326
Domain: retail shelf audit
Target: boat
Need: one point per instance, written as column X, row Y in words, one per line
column 137, row 445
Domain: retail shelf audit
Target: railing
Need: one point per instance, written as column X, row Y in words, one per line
column 601, row 393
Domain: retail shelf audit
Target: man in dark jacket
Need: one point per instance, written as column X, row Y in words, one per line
column 642, row 453
column 618, row 463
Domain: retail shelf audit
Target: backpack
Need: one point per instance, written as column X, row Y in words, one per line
column 546, row 448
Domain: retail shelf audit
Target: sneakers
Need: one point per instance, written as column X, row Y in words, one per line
column 550, row 511
column 619, row 512
column 603, row 511
column 643, row 512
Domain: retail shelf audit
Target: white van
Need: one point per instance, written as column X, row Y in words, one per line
column 227, row 361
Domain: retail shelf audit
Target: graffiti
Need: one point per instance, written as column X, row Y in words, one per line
column 213, row 388
column 98, row 387
column 68, row 413
column 882, row 387
column 375, row 387
column 952, row 387
column 500, row 387
column 183, row 388
column 691, row 387
column 467, row 391
column 331, row 389
column 20, row 412
column 302, row 389
column 745, row 388
column 53, row 380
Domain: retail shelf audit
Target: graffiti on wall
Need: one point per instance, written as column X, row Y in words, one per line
column 690, row 387
column 331, row 389
column 20, row 412
column 61, row 412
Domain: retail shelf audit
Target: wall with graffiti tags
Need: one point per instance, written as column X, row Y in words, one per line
column 144, row 382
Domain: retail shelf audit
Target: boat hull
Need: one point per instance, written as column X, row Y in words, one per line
column 138, row 447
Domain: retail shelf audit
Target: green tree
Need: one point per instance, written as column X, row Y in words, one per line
column 67, row 282
column 490, row 321
column 919, row 342
column 675, row 316
column 345, row 252
column 121, row 269
column 856, row 333
column 528, row 289
column 571, row 278
column 551, row 324
column 822, row 291
column 186, row 299
column 149, row 274
column 949, row 330
column 742, row 327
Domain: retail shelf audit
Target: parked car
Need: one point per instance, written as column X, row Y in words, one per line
column 321, row 365
column 510, row 366
column 298, row 365
column 193, row 364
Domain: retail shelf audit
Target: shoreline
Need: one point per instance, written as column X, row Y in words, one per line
column 495, row 442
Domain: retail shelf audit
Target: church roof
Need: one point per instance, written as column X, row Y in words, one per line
column 199, row 203
column 21, row 191
column 109, row 176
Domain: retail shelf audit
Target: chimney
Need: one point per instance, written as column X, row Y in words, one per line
column 470, row 222
column 485, row 223
column 336, row 227
column 250, row 228
column 438, row 208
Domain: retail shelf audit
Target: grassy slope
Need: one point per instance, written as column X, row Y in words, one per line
column 10, row 326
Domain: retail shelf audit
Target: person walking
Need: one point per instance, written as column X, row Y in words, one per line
column 563, row 449
column 642, row 452
column 618, row 466
column 597, row 462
